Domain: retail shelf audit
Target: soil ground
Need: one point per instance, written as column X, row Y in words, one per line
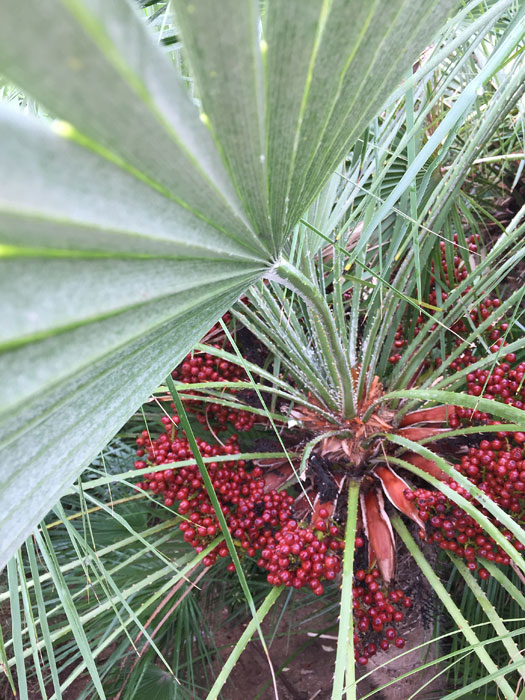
column 308, row 673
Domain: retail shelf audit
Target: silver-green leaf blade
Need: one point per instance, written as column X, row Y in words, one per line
column 93, row 64
column 327, row 76
column 222, row 42
column 55, row 194
column 69, row 393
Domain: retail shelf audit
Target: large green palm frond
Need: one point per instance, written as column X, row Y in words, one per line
column 132, row 224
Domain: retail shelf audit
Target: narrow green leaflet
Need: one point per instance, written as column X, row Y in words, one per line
column 44, row 544
column 16, row 626
column 243, row 642
column 344, row 672
column 491, row 612
column 450, row 398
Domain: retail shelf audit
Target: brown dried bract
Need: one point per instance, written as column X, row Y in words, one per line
column 348, row 449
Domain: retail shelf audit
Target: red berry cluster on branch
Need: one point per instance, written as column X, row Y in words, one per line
column 205, row 367
column 293, row 555
column 252, row 515
column 459, row 270
column 256, row 520
column 497, row 468
column 376, row 611
column 494, row 332
column 307, row 554
column 453, row 529
column 501, row 382
column 169, row 448
column 261, row 524
column 300, row 556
